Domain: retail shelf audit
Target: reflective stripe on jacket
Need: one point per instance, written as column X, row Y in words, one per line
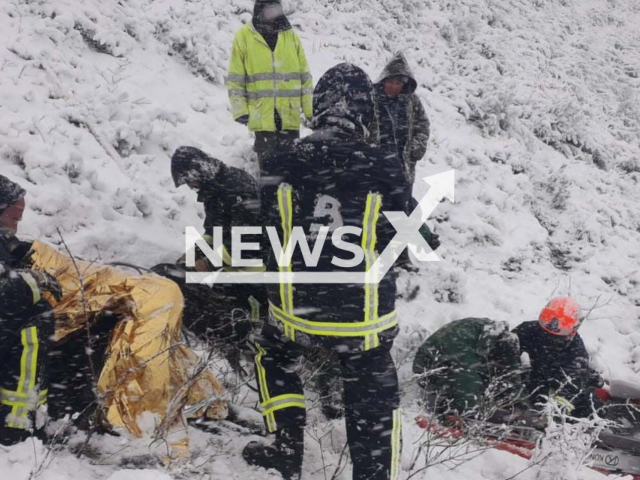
column 260, row 80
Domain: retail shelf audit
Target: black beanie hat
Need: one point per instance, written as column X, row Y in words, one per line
column 189, row 164
column 10, row 193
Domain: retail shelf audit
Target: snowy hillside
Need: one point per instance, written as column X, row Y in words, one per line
column 534, row 103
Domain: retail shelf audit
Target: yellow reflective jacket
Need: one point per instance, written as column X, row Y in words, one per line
column 260, row 80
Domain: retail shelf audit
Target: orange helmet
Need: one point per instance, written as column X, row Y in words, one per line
column 562, row 316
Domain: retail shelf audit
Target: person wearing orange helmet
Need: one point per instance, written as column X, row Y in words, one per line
column 558, row 357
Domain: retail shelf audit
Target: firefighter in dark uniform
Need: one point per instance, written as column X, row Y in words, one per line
column 26, row 324
column 333, row 178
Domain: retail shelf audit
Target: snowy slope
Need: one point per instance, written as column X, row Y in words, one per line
column 533, row 102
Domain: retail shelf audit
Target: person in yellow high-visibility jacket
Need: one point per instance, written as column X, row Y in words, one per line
column 269, row 81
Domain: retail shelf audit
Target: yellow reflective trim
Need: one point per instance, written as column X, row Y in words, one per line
column 251, row 270
column 375, row 286
column 396, row 445
column 285, row 405
column 285, row 204
column 255, row 309
column 364, row 245
column 290, row 228
column 33, row 285
column 264, row 389
column 369, row 240
column 34, row 357
column 285, row 238
column 24, row 358
column 28, row 373
column 13, row 399
column 208, row 238
column 335, row 329
column 374, row 240
column 279, row 398
column 262, row 377
column 222, row 251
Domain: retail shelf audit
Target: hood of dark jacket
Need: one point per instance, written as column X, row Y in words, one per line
column 189, row 164
column 399, row 66
column 268, row 26
column 343, row 100
column 10, row 193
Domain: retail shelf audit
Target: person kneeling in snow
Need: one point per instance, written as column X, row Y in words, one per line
column 469, row 368
column 559, row 359
column 222, row 313
column 26, row 323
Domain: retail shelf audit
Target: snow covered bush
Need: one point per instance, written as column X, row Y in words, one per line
column 563, row 451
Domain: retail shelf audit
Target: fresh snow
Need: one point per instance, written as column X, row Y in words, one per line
column 534, row 103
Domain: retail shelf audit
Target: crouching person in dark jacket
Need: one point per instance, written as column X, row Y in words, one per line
column 26, row 324
column 559, row 361
column 469, row 368
column 221, row 313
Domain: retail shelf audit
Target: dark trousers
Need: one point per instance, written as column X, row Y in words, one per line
column 24, row 345
column 75, row 366
column 266, row 142
column 371, row 401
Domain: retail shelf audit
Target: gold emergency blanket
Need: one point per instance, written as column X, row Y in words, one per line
column 147, row 369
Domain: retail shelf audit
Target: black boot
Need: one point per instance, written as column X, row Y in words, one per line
column 284, row 455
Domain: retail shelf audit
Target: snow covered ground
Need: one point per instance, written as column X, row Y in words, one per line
column 535, row 103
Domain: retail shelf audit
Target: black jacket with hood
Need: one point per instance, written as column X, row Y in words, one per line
column 331, row 174
column 403, row 120
column 229, row 194
column 559, row 365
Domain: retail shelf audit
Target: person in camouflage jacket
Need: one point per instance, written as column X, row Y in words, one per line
column 404, row 125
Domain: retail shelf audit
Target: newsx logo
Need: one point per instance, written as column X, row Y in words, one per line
column 407, row 235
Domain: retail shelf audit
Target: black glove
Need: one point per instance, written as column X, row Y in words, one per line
column 433, row 239
column 170, row 271
column 244, row 120
column 23, row 251
column 47, row 283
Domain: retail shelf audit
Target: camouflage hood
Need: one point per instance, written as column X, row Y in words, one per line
column 399, row 66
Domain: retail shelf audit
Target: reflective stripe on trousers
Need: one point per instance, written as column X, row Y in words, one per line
column 270, row 405
column 26, row 398
column 396, row 445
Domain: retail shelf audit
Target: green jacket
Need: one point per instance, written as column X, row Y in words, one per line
column 458, row 361
column 261, row 81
